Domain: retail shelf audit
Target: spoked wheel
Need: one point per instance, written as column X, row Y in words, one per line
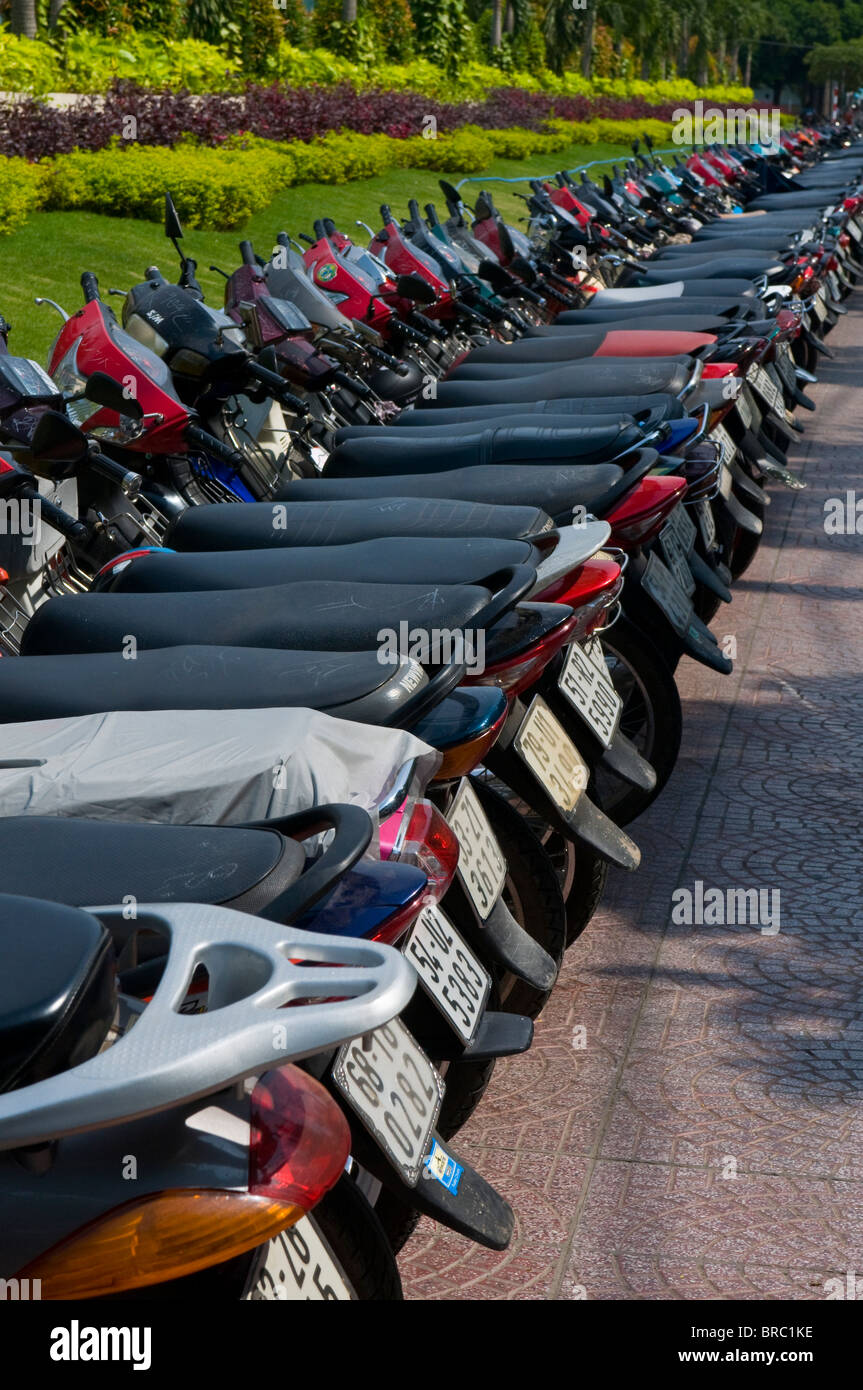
column 651, row 718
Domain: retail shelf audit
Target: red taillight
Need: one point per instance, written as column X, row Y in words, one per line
column 715, row 370
column 432, row 846
column 641, row 515
column 300, row 1139
column 515, row 675
column 590, row 592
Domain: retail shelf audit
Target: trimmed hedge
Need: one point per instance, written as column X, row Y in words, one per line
column 87, row 62
column 221, row 188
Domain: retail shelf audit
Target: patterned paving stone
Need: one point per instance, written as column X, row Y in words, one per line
column 706, row 1140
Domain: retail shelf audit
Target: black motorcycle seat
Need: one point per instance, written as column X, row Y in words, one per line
column 608, row 377
column 319, row 616
column 723, row 306
column 399, row 560
column 281, row 525
column 777, row 202
column 518, row 446
column 57, row 993
column 716, row 270
column 76, row 861
column 690, row 322
column 568, row 345
column 349, row 685
column 522, row 417
column 647, row 411
column 556, row 489
column 679, row 287
column 611, row 369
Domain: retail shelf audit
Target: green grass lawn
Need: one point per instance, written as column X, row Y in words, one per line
column 46, row 257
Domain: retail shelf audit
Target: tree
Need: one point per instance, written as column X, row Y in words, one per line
column 22, row 18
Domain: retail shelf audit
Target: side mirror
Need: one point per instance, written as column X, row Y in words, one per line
column 105, row 391
column 416, row 288
column 173, row 226
column 57, row 440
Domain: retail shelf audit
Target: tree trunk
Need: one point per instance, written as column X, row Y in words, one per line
column 509, row 19
column 683, row 59
column 587, row 41
column 22, row 18
column 733, row 64
column 721, row 49
column 747, row 76
column 349, row 11
column 496, row 25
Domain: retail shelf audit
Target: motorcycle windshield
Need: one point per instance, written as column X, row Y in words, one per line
column 287, row 280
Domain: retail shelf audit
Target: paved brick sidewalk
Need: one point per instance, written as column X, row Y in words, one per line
column 712, row 1050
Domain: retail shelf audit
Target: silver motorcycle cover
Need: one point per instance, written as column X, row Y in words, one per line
column 212, row 767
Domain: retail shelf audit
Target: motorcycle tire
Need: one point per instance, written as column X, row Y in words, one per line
column 532, row 893
column 651, row 717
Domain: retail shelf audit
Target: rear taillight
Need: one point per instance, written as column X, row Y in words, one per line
column 300, row 1140
column 462, row 758
column 714, row 371
column 641, row 515
column 592, row 592
column 299, row 1143
column 515, row 675
column 432, row 846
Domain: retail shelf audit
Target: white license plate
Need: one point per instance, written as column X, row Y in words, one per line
column 676, row 559
column 300, row 1266
column 587, row 685
column 395, row 1090
column 854, row 231
column 835, row 287
column 481, row 864
column 721, row 436
column 449, row 971
column 665, row 591
column 819, row 309
column 707, row 523
column 744, row 410
column 544, row 745
column 767, row 390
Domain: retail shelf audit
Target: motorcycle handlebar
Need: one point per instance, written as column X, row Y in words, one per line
column 220, row 450
column 350, row 383
column 248, row 254
column 128, row 482
column 55, row 517
column 90, row 286
column 277, row 388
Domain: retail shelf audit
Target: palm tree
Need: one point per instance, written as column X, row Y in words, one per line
column 22, row 18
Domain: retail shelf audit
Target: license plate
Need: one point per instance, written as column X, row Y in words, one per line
column 676, row 550
column 767, row 389
column 833, row 282
column 854, row 230
column 395, row 1090
column 481, row 864
column 544, row 745
column 819, row 309
column 449, row 971
column 721, row 436
column 665, row 591
column 744, row 410
column 587, row 685
column 707, row 523
column 300, row 1266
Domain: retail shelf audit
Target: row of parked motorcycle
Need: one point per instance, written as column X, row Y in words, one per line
column 339, row 628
